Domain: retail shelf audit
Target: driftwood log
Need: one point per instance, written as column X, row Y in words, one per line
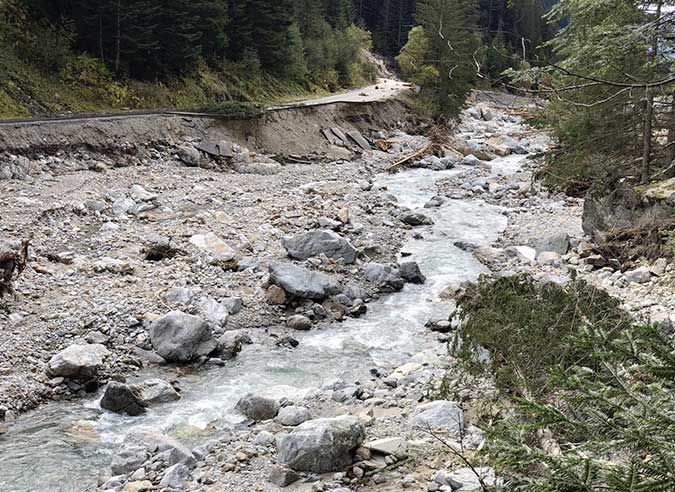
column 12, row 263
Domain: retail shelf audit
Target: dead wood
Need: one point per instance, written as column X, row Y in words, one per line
column 415, row 155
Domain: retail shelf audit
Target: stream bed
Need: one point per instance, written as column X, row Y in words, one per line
column 63, row 446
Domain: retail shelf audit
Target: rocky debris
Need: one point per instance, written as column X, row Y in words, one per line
column 142, row 442
column 386, row 278
column 155, row 391
column 160, row 248
column 301, row 282
column 282, row 476
column 322, row 242
column 181, row 337
column 175, row 476
column 410, row 272
column 439, row 415
column 558, row 243
column 321, row 445
column 189, row 155
column 257, row 407
column 414, row 218
column 213, row 311
column 299, row 322
column 229, row 345
column 77, row 362
column 292, row 415
column 214, row 247
column 113, row 265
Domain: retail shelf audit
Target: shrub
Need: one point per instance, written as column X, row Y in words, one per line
column 530, row 329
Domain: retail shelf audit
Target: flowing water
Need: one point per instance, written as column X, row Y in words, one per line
column 63, row 446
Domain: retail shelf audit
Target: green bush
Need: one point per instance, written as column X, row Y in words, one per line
column 531, row 329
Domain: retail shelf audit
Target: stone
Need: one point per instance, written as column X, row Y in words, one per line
column 257, row 407
column 229, row 345
column 128, row 459
column 439, row 414
column 322, row 242
column 385, row 277
column 658, row 268
column 213, row 311
column 179, row 295
column 264, row 438
column 154, row 442
column 301, row 282
column 123, row 206
column 140, row 194
column 154, row 391
column 276, row 295
column 410, row 271
column 77, row 361
column 282, row 476
column 390, row 446
column 175, row 476
column 180, row 337
column 548, row 258
column 113, row 265
column 213, row 246
column 640, row 275
column 138, row 486
column 234, row 305
column 159, row 248
column 189, row 156
column 321, row 445
column 471, row 160
column 292, row 416
column 299, row 322
column 122, row 398
column 558, row 243
column 465, row 479
column 414, row 219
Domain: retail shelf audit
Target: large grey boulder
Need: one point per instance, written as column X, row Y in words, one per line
column 315, row 243
column 77, row 361
column 292, row 415
column 640, row 275
column 258, row 407
column 154, row 391
column 321, row 445
column 301, row 282
column 439, row 415
column 180, row 337
column 410, row 271
column 386, row 277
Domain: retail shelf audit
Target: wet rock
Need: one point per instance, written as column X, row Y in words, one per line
column 413, row 218
column 385, row 277
column 122, row 398
column 282, row 476
column 315, row 243
column 301, row 282
column 180, row 337
column 155, row 442
column 299, row 322
column 215, row 247
column 321, row 445
column 257, row 407
column 77, row 361
column 292, row 416
column 410, row 271
column 154, row 391
column 440, row 414
column 229, row 345
column 640, row 275
column 128, row 459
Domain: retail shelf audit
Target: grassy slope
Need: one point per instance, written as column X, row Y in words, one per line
column 26, row 90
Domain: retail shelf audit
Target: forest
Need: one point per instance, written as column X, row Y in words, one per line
column 223, row 50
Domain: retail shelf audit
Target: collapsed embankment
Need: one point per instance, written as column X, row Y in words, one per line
column 294, row 130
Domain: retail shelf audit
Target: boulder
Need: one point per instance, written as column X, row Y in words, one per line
column 640, row 275
column 299, row 322
column 77, row 361
column 391, row 445
column 301, row 282
column 257, row 407
column 214, row 246
column 189, row 156
column 558, row 243
column 153, row 391
column 229, row 345
column 386, row 277
column 292, row 416
column 440, row 414
column 175, row 476
column 413, row 218
column 128, row 458
column 122, row 398
column 410, row 271
column 213, row 311
column 315, row 243
column 282, row 476
column 322, row 445
column 180, row 337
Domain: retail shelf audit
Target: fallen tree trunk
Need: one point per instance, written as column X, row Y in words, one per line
column 418, row 153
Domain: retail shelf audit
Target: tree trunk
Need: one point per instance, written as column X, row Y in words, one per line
column 647, row 136
column 118, row 41
column 671, row 131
